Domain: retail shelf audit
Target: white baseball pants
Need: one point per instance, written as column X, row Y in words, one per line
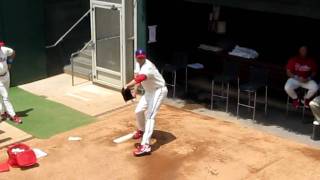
column 147, row 110
column 5, row 104
column 315, row 107
column 293, row 84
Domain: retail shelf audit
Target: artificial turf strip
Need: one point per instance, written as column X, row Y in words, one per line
column 43, row 118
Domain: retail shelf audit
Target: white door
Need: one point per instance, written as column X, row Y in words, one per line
column 107, row 59
column 114, row 37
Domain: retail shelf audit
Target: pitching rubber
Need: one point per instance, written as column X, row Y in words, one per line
column 123, row 138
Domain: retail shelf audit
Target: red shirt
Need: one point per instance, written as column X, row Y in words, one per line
column 302, row 67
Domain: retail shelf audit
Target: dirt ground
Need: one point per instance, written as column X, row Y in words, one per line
column 185, row 146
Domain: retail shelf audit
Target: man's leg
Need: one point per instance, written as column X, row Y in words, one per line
column 152, row 111
column 6, row 84
column 7, row 104
column 315, row 108
column 2, row 107
column 154, row 102
column 4, row 115
column 140, row 117
column 312, row 87
column 290, row 87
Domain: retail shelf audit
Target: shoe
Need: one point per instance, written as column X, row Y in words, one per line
column 306, row 103
column 4, row 116
column 138, row 134
column 142, row 150
column 16, row 119
column 295, row 103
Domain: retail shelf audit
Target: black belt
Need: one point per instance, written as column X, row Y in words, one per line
column 3, row 74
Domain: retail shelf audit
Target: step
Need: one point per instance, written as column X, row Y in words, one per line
column 78, row 71
column 86, row 53
column 82, row 61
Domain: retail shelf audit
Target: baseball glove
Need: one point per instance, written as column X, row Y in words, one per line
column 126, row 94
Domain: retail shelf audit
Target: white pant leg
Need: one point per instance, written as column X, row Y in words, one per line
column 290, row 87
column 140, row 110
column 4, row 92
column 312, row 87
column 2, row 107
column 315, row 108
column 154, row 101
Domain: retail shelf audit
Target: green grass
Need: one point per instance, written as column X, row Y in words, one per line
column 43, row 118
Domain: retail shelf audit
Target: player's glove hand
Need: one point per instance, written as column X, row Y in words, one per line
column 126, row 94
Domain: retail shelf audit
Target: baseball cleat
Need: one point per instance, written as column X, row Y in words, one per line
column 295, row 103
column 306, row 103
column 138, row 134
column 16, row 119
column 142, row 150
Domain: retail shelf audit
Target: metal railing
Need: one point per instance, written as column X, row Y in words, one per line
column 88, row 44
column 69, row 30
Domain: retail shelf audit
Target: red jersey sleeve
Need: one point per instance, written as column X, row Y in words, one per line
column 291, row 64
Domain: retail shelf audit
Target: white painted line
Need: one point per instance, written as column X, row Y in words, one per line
column 95, row 90
column 78, row 97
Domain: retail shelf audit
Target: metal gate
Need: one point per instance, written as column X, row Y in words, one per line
column 113, row 35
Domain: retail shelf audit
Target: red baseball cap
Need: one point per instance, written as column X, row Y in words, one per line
column 1, row 43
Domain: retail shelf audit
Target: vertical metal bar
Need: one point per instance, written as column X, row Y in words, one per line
column 303, row 111
column 266, row 101
column 254, row 105
column 186, row 83
column 174, row 84
column 72, row 70
column 227, row 103
column 212, row 87
column 249, row 99
column 303, row 106
column 287, row 106
column 238, row 99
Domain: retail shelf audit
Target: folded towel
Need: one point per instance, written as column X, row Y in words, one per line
column 196, row 66
column 244, row 52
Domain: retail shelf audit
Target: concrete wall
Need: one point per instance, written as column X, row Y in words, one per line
column 21, row 27
column 60, row 15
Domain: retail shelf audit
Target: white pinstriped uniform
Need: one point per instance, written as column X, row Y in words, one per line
column 149, row 104
column 5, row 104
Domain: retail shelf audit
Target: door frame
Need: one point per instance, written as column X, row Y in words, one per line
column 123, row 61
column 95, row 69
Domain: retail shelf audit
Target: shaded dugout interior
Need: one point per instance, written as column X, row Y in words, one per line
column 183, row 26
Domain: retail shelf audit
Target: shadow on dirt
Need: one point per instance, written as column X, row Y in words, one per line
column 162, row 138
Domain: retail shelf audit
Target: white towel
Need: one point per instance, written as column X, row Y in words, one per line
column 210, row 48
column 244, row 52
column 196, row 66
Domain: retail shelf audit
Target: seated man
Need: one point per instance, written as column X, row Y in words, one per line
column 301, row 69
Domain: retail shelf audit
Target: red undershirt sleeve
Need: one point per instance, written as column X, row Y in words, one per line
column 140, row 77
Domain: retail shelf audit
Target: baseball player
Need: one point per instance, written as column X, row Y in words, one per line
column 153, row 83
column 6, row 108
column 301, row 70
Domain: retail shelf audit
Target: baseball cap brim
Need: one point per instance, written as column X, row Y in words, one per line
column 141, row 56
